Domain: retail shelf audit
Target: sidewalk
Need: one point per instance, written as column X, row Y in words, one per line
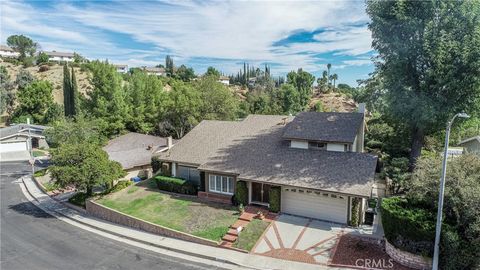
column 180, row 246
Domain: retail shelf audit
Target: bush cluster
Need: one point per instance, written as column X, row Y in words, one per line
column 408, row 227
column 156, row 164
column 177, row 185
column 78, row 199
column 355, row 221
column 121, row 185
column 241, row 193
column 274, row 195
column 40, row 173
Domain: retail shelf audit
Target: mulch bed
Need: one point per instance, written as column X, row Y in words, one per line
column 357, row 252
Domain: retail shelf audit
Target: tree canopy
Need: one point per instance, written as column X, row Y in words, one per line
column 22, row 44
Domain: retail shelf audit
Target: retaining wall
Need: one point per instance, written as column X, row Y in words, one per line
column 406, row 258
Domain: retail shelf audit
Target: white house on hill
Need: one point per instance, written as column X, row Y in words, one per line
column 59, row 56
column 6, row 51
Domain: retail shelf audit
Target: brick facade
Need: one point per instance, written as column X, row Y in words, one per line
column 406, row 258
column 114, row 216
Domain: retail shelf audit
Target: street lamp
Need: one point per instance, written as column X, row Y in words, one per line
column 440, row 195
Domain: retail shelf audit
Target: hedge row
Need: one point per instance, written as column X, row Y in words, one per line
column 177, row 185
column 241, row 193
column 274, row 199
column 407, row 227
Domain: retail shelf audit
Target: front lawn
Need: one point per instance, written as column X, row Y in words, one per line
column 185, row 214
column 249, row 236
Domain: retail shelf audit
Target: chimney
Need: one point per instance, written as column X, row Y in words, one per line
column 169, row 142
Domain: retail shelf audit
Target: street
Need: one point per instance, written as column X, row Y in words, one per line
column 32, row 239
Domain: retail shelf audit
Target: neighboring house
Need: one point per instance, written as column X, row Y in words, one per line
column 15, row 138
column 59, row 56
column 121, row 68
column 134, row 151
column 224, row 79
column 155, row 71
column 316, row 158
column 6, row 51
column 471, row 145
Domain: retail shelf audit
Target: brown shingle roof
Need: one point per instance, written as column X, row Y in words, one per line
column 6, row 48
column 324, row 126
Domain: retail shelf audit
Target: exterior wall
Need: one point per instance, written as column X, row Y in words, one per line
column 139, row 171
column 12, row 54
column 60, row 58
column 355, row 144
column 226, row 82
column 299, row 144
column 174, row 169
column 335, row 147
column 114, row 216
column 407, row 259
column 214, row 196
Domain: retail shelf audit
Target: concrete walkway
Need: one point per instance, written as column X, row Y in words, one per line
column 252, row 261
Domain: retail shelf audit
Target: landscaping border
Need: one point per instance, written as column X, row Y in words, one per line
column 109, row 214
column 406, row 258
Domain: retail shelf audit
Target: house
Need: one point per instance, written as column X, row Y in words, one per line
column 15, row 138
column 134, row 151
column 316, row 159
column 224, row 79
column 6, row 51
column 155, row 71
column 59, row 56
column 121, row 68
column 471, row 145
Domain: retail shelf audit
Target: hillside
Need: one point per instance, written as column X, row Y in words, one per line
column 334, row 102
column 53, row 75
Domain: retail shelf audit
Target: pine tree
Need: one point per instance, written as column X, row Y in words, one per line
column 67, row 84
column 75, row 100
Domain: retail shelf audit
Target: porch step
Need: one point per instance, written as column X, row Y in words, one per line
column 239, row 223
column 247, row 216
column 226, row 244
column 233, row 232
column 229, row 238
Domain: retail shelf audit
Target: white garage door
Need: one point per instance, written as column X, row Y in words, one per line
column 314, row 204
column 13, row 147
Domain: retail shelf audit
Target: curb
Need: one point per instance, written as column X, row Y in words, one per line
column 132, row 238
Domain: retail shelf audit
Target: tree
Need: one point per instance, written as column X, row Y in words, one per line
column 77, row 58
column 7, row 98
column 146, row 99
column 22, row 44
column 23, row 79
column 183, row 110
column 107, row 99
column 84, row 166
column 75, row 94
column 211, row 71
column 218, row 102
column 34, row 101
column 67, row 92
column 428, row 59
column 288, row 99
column 328, row 74
column 42, row 58
column 303, row 82
column 75, row 131
column 334, row 78
column 185, row 73
column 169, row 67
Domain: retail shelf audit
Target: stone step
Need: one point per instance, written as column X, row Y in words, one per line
column 239, row 223
column 233, row 232
column 226, row 244
column 247, row 217
column 229, row 238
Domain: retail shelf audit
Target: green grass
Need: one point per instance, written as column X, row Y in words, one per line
column 249, row 236
column 51, row 186
column 38, row 153
column 183, row 214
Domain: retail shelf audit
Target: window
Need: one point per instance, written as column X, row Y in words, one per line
column 317, row 146
column 221, row 184
column 189, row 173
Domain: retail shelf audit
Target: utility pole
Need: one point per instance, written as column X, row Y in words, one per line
column 32, row 159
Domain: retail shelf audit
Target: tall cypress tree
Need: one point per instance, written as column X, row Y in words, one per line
column 75, row 101
column 67, row 85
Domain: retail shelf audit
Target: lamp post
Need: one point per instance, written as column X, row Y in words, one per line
column 442, row 188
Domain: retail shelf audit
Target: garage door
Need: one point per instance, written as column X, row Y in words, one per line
column 314, row 204
column 13, row 147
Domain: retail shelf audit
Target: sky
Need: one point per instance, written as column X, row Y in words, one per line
column 286, row 35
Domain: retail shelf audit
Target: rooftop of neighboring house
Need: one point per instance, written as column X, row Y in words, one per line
column 59, row 54
column 255, row 149
column 6, row 48
column 324, row 127
column 120, row 65
column 224, row 78
column 20, row 128
column 474, row 138
column 134, row 149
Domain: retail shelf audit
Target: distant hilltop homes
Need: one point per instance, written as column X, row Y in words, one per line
column 55, row 56
column 159, row 71
column 6, row 51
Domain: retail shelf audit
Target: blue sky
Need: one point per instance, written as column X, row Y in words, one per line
column 283, row 34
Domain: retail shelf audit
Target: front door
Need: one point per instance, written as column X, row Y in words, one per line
column 260, row 192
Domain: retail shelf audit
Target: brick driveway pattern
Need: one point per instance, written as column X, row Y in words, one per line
column 299, row 239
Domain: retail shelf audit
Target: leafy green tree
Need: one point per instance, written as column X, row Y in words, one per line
column 261, row 103
column 107, row 99
column 334, row 78
column 183, row 110
column 84, row 166
column 7, row 87
column 75, row 94
column 185, row 73
column 67, row 92
column 75, row 131
column 211, row 71
column 23, row 79
column 303, row 82
column 42, row 58
column 218, row 102
column 169, row 67
column 318, row 107
column 23, row 45
column 77, row 58
column 35, row 100
column 429, row 54
column 146, row 99
column 288, row 99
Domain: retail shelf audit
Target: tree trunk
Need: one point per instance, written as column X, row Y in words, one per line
column 418, row 136
column 89, row 191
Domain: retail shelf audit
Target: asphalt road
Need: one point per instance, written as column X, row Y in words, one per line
column 32, row 239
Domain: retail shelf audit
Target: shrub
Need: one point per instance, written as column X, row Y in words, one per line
column 355, row 221
column 156, row 164
column 408, row 227
column 176, row 185
column 274, row 195
column 121, row 185
column 40, row 173
column 43, row 68
column 241, row 193
column 79, row 199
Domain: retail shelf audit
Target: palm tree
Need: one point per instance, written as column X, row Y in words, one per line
column 334, row 78
column 328, row 72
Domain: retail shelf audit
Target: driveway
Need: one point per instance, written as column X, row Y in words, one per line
column 299, row 239
column 14, row 156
